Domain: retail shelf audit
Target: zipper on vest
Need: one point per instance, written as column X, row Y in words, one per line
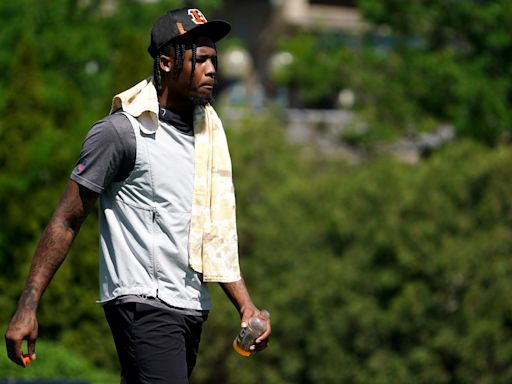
column 155, row 275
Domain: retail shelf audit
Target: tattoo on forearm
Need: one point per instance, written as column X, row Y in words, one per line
column 56, row 242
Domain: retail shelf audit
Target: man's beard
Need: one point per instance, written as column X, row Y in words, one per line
column 201, row 100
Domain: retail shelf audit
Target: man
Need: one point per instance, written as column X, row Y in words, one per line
column 160, row 165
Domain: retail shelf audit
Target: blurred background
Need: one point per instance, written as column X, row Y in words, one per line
column 372, row 160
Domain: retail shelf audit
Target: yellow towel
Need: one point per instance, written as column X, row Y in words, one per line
column 140, row 101
column 213, row 240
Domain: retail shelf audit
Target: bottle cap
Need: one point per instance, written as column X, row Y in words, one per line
column 26, row 359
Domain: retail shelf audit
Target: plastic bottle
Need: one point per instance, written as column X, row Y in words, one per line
column 256, row 326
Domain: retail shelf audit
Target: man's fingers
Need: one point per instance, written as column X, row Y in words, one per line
column 14, row 350
column 259, row 346
column 32, row 348
column 265, row 334
column 262, row 341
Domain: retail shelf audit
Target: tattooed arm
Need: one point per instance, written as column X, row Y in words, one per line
column 239, row 296
column 53, row 247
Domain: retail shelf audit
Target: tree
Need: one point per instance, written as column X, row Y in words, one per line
column 418, row 65
column 382, row 273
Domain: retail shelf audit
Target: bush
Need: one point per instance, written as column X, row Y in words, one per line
column 54, row 361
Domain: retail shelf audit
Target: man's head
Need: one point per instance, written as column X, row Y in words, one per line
column 185, row 57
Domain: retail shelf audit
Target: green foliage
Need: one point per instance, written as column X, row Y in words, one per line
column 417, row 65
column 381, row 273
column 55, row 361
column 326, row 71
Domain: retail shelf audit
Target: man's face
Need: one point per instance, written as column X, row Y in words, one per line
column 196, row 85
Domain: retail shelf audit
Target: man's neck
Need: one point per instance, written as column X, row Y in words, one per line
column 181, row 107
column 187, row 116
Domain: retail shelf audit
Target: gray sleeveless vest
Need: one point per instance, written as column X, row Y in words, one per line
column 144, row 223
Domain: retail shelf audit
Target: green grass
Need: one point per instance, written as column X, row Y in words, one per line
column 56, row 362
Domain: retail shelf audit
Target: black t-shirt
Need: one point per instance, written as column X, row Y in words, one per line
column 109, row 150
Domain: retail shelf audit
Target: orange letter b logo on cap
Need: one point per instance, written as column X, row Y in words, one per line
column 197, row 16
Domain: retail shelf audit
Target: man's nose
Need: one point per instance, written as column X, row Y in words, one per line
column 210, row 69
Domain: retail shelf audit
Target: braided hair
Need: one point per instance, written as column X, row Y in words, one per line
column 178, row 51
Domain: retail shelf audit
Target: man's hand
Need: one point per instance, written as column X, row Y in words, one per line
column 239, row 296
column 262, row 341
column 23, row 326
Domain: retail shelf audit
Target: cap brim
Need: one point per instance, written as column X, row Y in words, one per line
column 215, row 30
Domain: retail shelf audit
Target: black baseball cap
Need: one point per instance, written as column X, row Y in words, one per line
column 180, row 24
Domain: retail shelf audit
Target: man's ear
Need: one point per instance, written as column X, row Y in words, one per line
column 165, row 63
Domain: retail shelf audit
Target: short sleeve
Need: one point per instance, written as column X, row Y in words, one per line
column 108, row 154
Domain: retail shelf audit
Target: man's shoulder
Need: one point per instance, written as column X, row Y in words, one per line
column 114, row 129
column 117, row 121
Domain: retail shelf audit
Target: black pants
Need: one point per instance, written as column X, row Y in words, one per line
column 154, row 345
